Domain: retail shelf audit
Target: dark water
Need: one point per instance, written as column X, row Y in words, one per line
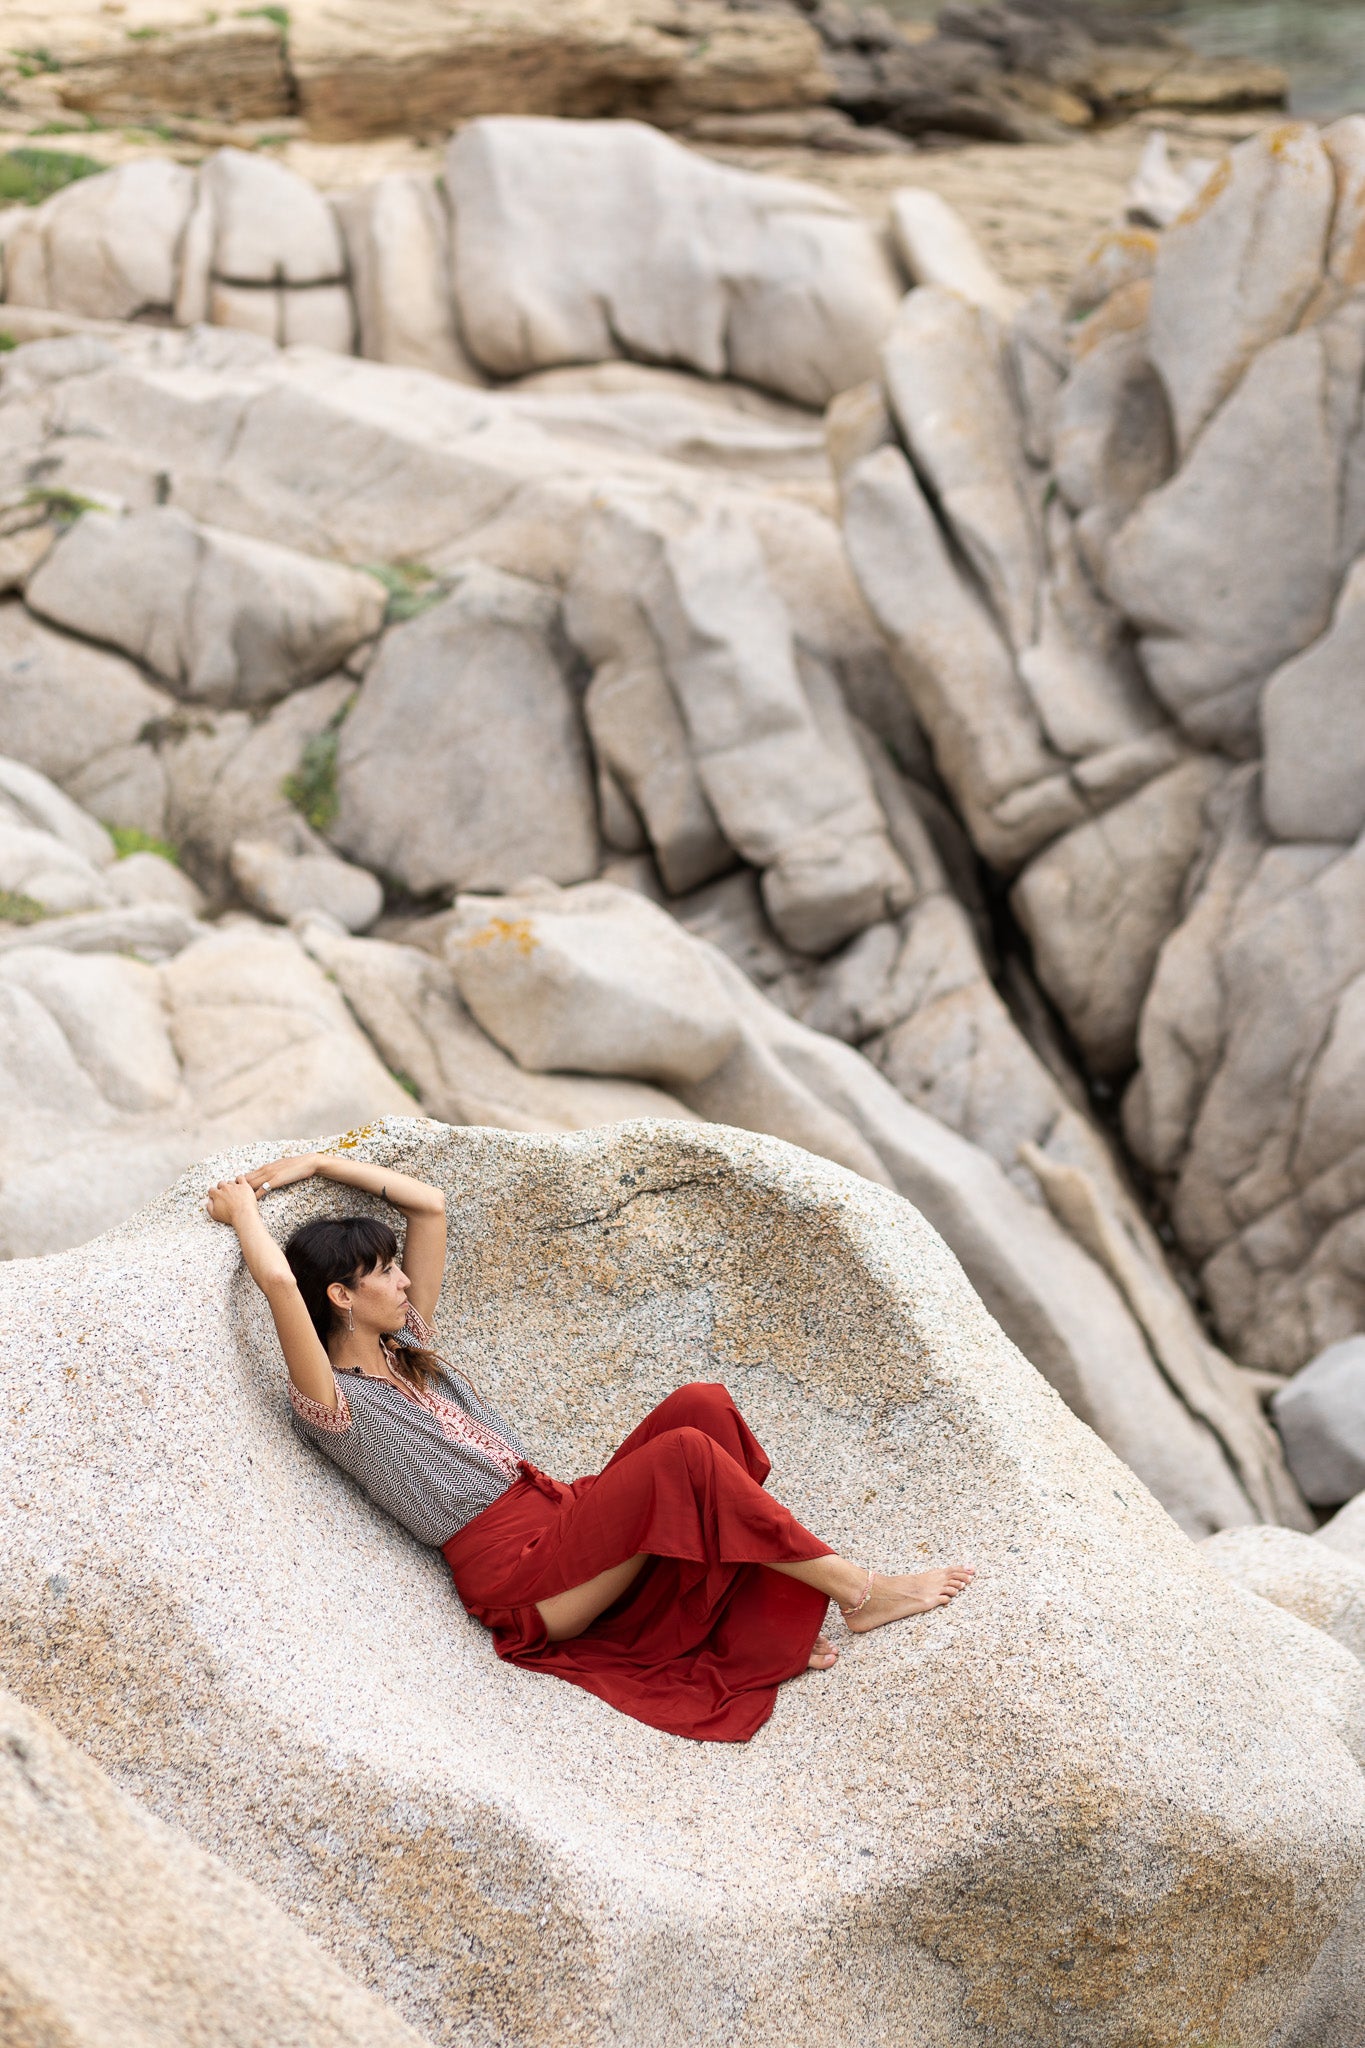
column 1320, row 43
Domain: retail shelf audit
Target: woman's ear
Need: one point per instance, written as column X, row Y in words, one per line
column 339, row 1295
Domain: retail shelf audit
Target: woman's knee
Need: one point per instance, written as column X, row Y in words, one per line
column 701, row 1397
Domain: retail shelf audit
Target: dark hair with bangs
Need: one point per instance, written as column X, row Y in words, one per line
column 344, row 1249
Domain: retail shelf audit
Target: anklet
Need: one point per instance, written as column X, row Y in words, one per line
column 858, row 1607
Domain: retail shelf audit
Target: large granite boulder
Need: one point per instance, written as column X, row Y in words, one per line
column 497, row 785
column 1080, row 1843
column 578, row 241
column 107, row 247
column 397, row 232
column 117, row 1927
column 1299, row 1574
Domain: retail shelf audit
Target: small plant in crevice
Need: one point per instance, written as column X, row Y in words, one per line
column 412, row 588
column 16, row 908
column 28, row 176
column 406, row 1083
column 312, row 787
column 132, row 839
column 32, row 63
column 62, row 507
column 279, row 15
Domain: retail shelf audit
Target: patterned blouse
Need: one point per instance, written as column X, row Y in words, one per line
column 433, row 1460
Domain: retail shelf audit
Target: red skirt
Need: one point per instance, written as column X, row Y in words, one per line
column 702, row 1638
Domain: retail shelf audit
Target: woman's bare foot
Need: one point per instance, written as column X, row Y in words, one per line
column 913, row 1593
column 824, row 1656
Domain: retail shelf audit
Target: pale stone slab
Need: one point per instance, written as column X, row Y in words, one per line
column 937, row 247
column 463, row 764
column 576, row 241
column 218, row 616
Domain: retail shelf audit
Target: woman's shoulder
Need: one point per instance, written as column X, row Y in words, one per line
column 329, row 1421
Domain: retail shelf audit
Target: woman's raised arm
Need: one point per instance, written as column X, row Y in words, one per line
column 236, row 1202
column 424, row 1253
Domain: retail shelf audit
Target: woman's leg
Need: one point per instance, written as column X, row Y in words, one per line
column 890, row 1598
column 568, row 1614
column 728, row 1518
column 678, row 1494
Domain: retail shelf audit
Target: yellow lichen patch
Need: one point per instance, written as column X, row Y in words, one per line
column 514, row 931
column 351, row 1139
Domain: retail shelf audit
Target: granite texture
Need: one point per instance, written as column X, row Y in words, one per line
column 1098, row 1800
column 118, row 1931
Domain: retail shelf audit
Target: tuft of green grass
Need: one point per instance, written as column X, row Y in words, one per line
column 7, row 341
column 412, row 587
column 143, row 35
column 132, row 839
column 28, row 176
column 279, row 15
column 16, row 908
column 312, row 788
column 32, row 62
column 64, row 508
column 405, row 1082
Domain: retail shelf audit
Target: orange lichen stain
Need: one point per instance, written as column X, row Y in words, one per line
column 1280, row 141
column 517, row 931
column 1212, row 190
column 349, row 1142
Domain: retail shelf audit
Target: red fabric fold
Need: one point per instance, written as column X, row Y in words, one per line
column 701, row 1640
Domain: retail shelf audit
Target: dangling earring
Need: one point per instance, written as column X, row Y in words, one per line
column 350, row 1319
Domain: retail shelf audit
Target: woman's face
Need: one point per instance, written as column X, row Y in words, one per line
column 380, row 1298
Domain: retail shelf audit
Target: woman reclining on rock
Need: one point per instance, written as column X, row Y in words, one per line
column 669, row 1583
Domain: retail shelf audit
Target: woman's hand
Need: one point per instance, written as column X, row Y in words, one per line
column 231, row 1200
column 282, row 1173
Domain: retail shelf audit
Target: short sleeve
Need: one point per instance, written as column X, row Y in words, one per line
column 419, row 1330
column 331, row 1421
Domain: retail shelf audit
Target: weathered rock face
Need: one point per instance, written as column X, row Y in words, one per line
column 217, row 616
column 114, row 1923
column 1245, row 1104
column 1097, row 601
column 1075, row 1767
column 548, row 242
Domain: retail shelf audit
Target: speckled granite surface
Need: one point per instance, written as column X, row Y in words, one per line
column 1093, row 1802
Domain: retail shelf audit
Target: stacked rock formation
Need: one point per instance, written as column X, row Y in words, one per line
column 587, row 645
column 618, row 603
